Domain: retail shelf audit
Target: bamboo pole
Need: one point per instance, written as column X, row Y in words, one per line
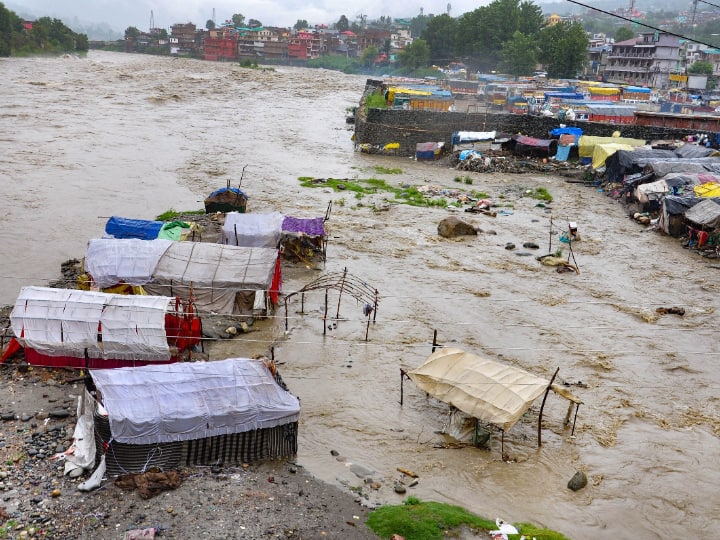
column 342, row 286
column 325, row 314
column 543, row 406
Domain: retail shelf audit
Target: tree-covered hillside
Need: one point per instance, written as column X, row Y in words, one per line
column 43, row 36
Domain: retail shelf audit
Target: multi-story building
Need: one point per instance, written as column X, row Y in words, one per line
column 183, row 38
column 221, row 44
column 648, row 60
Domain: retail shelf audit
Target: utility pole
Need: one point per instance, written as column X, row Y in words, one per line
column 152, row 21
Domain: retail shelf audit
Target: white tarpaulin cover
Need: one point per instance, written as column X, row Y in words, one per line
column 112, row 260
column 482, row 388
column 192, row 400
column 64, row 322
column 252, row 230
column 216, row 273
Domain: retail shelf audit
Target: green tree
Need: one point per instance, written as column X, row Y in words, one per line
column 5, row 31
column 418, row 24
column 254, row 23
column 342, row 24
column 238, row 19
column 210, row 24
column 439, row 34
column 624, row 33
column 531, row 18
column 163, row 34
column 519, row 55
column 131, row 32
column 301, row 24
column 701, row 67
column 563, row 49
column 368, row 56
column 415, row 55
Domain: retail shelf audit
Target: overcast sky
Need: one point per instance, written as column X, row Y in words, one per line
column 284, row 13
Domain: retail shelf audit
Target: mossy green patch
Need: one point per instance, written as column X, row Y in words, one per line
column 370, row 186
column 418, row 520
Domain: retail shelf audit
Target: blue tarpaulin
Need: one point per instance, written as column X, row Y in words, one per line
column 119, row 227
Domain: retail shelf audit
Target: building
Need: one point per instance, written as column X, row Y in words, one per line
column 221, row 44
column 183, row 38
column 648, row 60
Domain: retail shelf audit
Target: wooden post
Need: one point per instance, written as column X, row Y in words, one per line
column 375, row 306
column 342, row 286
column 577, row 406
column 567, row 415
column 543, row 406
column 286, row 313
column 302, row 303
column 367, row 327
column 325, row 314
column 402, row 380
column 434, row 343
column 502, row 444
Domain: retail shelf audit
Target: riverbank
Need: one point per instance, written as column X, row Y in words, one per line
column 273, row 499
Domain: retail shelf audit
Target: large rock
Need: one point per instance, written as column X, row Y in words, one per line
column 453, row 226
column 578, row 481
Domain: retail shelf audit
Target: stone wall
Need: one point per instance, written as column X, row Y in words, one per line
column 382, row 126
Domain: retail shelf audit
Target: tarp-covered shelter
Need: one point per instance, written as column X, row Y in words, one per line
column 586, row 143
column 252, row 230
column 705, row 214
column 629, row 162
column 79, row 329
column 672, row 215
column 302, row 238
column 492, row 392
column 530, row 146
column 462, row 140
column 223, row 412
column 227, row 199
column 602, row 151
column 219, row 278
column 663, row 167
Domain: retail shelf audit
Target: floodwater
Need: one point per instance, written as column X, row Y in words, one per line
column 131, row 135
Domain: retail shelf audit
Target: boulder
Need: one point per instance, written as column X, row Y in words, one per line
column 453, row 226
column 578, row 481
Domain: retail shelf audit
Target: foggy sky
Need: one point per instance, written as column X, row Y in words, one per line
column 120, row 14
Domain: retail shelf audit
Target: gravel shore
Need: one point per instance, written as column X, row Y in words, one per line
column 274, row 499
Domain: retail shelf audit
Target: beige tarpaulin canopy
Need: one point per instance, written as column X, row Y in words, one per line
column 484, row 389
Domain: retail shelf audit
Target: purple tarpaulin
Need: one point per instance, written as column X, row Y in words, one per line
column 311, row 226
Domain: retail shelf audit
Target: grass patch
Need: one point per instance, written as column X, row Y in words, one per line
column 375, row 101
column 540, row 194
column 379, row 169
column 418, row 520
column 368, row 186
column 172, row 214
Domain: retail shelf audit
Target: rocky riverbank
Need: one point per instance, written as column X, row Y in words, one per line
column 276, row 499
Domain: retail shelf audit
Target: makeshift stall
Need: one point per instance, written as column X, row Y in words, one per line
column 86, row 329
column 224, row 412
column 483, row 389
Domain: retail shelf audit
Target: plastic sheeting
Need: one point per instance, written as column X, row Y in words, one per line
column 602, row 151
column 586, row 143
column 192, row 400
column 112, row 260
column 482, row 388
column 213, row 274
column 252, row 230
column 683, row 166
column 705, row 213
column 119, row 227
column 67, row 322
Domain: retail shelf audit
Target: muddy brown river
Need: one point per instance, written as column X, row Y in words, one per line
column 132, row 135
